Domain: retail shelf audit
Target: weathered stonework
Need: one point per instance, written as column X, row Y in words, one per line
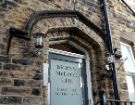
column 122, row 24
column 21, row 72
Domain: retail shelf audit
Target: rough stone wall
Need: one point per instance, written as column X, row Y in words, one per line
column 123, row 24
column 16, row 13
column 21, row 73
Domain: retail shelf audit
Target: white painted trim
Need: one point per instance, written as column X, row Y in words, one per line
column 88, row 71
column 129, row 73
column 56, row 51
column 45, row 73
column 57, row 42
column 49, row 100
column 130, row 49
column 87, row 59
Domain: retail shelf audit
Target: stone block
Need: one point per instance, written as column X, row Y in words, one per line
column 124, row 86
column 16, row 91
column 35, row 83
column 22, row 61
column 10, row 100
column 32, row 100
column 38, row 76
column 18, row 82
column 20, row 74
column 8, row 4
column 4, row 59
column 12, row 67
column 124, row 95
column 3, row 73
column 5, row 82
column 36, row 91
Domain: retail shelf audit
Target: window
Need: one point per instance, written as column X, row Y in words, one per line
column 130, row 4
column 129, row 66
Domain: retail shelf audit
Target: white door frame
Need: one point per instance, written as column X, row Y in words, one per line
column 87, row 61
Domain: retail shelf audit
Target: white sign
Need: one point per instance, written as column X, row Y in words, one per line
column 66, row 85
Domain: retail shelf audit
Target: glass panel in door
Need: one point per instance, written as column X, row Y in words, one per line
column 67, row 80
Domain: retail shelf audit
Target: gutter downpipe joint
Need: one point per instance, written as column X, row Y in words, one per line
column 111, row 50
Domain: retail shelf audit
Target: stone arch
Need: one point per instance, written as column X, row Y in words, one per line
column 70, row 27
column 54, row 14
column 43, row 22
column 95, row 51
column 50, row 21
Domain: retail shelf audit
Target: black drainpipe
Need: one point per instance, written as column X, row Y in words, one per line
column 111, row 50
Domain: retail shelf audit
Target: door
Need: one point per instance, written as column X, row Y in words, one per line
column 68, row 79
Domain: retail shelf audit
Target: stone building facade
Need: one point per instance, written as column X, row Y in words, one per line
column 21, row 72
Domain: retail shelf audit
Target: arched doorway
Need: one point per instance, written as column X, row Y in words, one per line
column 69, row 74
column 82, row 37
